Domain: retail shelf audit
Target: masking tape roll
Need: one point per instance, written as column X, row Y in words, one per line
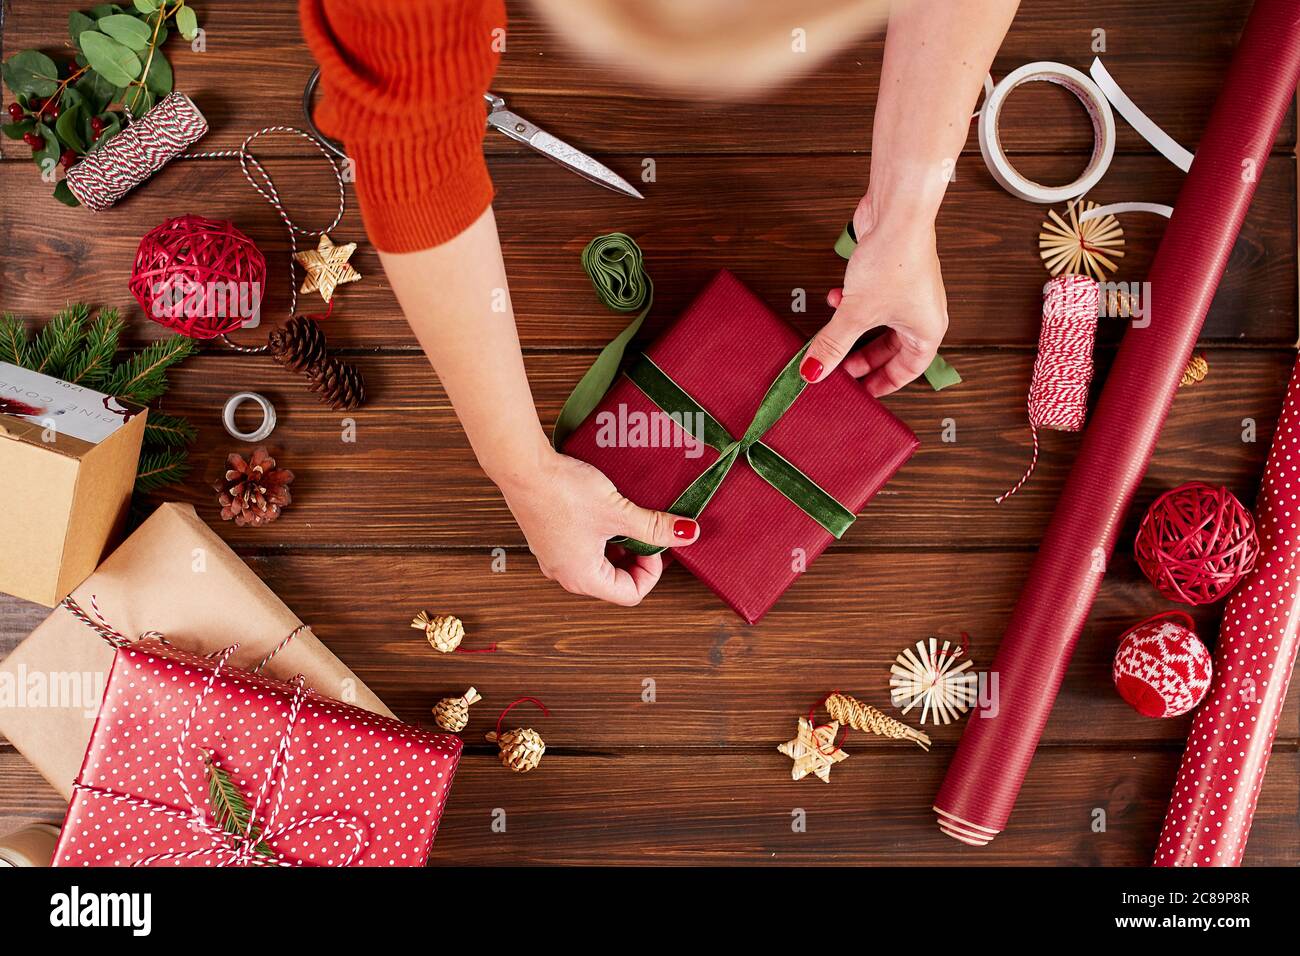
column 1103, row 127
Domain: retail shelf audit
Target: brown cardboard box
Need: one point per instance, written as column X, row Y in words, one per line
column 66, row 488
column 173, row 575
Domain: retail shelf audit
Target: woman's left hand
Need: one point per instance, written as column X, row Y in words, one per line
column 892, row 281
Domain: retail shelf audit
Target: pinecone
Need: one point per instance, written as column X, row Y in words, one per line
column 253, row 492
column 521, row 748
column 299, row 344
column 339, row 384
column 452, row 713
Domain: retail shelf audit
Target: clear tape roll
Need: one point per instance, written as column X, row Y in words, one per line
column 1094, row 102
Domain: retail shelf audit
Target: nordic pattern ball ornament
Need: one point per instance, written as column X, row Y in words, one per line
column 1161, row 667
column 201, row 277
column 1196, row 543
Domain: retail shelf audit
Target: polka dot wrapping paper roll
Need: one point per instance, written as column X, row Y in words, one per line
column 324, row 783
column 1209, row 816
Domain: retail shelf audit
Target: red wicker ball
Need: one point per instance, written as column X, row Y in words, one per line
column 1196, row 543
column 201, row 277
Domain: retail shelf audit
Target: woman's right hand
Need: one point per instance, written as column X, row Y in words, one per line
column 568, row 511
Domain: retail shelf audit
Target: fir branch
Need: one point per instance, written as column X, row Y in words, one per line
column 229, row 809
column 13, row 339
column 58, row 342
column 159, row 468
column 170, row 431
column 142, row 377
column 91, row 364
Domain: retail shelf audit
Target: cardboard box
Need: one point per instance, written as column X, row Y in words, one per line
column 68, row 458
column 173, row 575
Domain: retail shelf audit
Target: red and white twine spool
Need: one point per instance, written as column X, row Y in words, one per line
column 1058, row 391
column 145, row 146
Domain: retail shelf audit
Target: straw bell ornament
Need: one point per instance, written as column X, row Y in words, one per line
column 452, row 713
column 444, row 631
column 521, row 749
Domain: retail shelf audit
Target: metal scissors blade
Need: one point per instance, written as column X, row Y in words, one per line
column 554, row 149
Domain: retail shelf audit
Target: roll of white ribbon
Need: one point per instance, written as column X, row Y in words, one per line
column 1103, row 128
column 1116, row 208
column 261, row 431
column 1145, row 126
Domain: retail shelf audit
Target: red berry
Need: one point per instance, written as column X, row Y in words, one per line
column 67, row 158
column 34, row 141
column 96, row 123
column 15, row 112
column 53, row 111
column 96, row 134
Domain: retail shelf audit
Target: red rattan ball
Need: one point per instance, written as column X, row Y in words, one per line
column 201, row 277
column 1196, row 542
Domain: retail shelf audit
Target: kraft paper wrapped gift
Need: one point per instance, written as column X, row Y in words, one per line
column 174, row 575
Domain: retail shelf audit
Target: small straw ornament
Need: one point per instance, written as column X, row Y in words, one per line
column 929, row 678
column 1058, row 390
column 1085, row 248
column 452, row 713
column 445, row 632
column 813, row 750
column 102, row 177
column 869, row 720
column 521, row 749
column 1196, row 543
column 1196, row 370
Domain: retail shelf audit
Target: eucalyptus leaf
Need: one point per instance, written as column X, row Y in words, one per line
column 79, row 23
column 64, row 195
column 112, row 126
column 187, row 22
column 31, row 73
column 71, row 98
column 139, row 99
column 127, row 30
column 19, row 129
column 159, row 75
column 47, row 157
column 97, row 91
column 146, row 6
column 110, row 59
column 68, row 128
column 105, row 10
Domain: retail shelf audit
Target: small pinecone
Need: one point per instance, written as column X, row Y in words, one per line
column 444, row 631
column 452, row 713
column 253, row 492
column 299, row 344
column 338, row 383
column 521, row 748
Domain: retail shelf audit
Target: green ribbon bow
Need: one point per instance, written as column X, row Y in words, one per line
column 614, row 264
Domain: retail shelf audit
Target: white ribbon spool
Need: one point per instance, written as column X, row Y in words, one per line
column 1099, row 111
column 259, row 433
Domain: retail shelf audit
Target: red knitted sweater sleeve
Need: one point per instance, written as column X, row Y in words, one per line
column 403, row 84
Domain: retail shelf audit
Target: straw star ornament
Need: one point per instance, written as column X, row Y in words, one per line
column 813, row 750
column 327, row 267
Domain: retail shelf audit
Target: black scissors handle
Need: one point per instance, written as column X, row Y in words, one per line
column 309, row 94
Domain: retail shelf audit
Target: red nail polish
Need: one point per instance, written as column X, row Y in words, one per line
column 685, row 529
column 810, row 370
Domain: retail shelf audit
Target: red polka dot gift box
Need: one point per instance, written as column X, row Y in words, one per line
column 193, row 762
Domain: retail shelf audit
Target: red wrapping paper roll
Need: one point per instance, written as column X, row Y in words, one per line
column 1218, row 783
column 990, row 763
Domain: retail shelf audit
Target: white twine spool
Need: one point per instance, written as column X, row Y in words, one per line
column 259, row 433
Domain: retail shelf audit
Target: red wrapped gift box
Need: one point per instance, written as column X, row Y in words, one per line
column 725, row 352
column 325, row 783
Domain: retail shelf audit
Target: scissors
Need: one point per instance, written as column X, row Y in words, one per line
column 517, row 128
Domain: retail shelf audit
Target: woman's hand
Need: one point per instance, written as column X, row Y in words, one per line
column 569, row 510
column 892, row 282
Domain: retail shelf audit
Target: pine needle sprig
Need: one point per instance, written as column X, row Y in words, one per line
column 169, row 431
column 90, row 366
column 13, row 339
column 57, row 343
column 229, row 808
column 160, row 468
column 143, row 377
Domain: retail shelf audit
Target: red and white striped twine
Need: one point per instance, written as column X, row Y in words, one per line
column 1058, row 391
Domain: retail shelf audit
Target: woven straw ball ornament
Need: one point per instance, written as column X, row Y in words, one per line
column 1161, row 667
column 1196, row 543
column 1086, row 248
column 452, row 713
column 443, row 631
column 932, row 678
column 520, row 749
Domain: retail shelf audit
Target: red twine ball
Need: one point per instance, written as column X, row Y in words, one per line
column 1196, row 543
column 1161, row 667
column 201, row 277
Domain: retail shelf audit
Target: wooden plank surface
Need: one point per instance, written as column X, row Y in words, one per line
column 662, row 807
column 401, row 518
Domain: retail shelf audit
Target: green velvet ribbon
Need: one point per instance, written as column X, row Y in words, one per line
column 769, row 465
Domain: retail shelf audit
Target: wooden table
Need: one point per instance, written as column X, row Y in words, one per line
column 665, row 719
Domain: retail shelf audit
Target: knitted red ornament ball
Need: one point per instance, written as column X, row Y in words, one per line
column 201, row 277
column 1161, row 668
column 1196, row 543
